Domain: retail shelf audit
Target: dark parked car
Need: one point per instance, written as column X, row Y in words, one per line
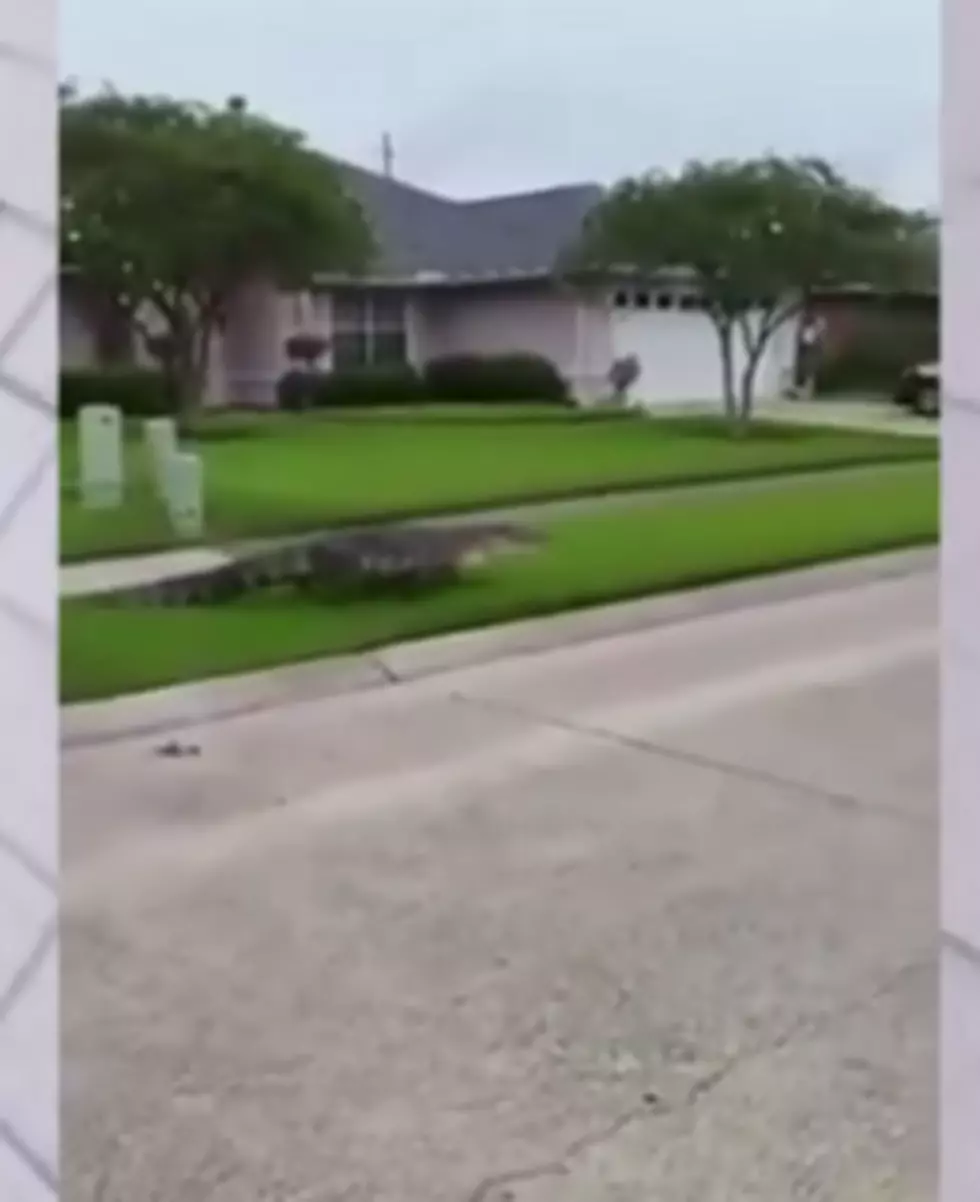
column 919, row 389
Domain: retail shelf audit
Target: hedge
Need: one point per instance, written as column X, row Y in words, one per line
column 458, row 379
column 366, row 386
column 137, row 392
column 487, row 378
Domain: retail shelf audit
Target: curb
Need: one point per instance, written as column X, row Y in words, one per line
column 182, row 707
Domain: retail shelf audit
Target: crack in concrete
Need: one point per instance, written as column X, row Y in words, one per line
column 105, row 1178
column 835, row 798
column 388, row 674
column 496, row 1188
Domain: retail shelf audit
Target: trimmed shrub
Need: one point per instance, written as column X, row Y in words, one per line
column 136, row 391
column 623, row 374
column 367, row 386
column 487, row 378
column 306, row 348
column 297, row 389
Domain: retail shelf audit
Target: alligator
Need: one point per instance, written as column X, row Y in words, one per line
column 377, row 558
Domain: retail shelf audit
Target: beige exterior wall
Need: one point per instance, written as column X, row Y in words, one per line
column 570, row 328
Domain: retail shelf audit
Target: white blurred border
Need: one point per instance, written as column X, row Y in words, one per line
column 960, row 709
column 28, row 602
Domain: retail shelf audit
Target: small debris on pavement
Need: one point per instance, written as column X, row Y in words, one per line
column 176, row 751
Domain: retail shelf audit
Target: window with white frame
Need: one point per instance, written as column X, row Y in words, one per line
column 369, row 329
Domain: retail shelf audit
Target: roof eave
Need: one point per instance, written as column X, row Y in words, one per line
column 432, row 278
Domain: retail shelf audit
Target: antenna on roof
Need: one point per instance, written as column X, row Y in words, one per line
column 387, row 155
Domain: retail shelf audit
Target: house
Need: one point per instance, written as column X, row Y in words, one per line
column 856, row 317
column 467, row 277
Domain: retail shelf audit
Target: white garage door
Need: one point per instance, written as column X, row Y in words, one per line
column 677, row 346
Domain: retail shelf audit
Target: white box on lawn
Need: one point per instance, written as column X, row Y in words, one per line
column 161, row 442
column 184, row 494
column 100, row 456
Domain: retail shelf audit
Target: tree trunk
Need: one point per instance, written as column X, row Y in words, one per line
column 729, row 395
column 755, row 343
column 191, row 379
column 191, row 360
column 114, row 337
column 161, row 347
column 746, row 392
column 746, row 395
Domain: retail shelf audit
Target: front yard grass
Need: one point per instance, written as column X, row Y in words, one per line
column 602, row 557
column 270, row 476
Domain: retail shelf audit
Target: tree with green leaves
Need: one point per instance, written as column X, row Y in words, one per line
column 756, row 239
column 169, row 208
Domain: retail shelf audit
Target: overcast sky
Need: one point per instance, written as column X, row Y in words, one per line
column 489, row 96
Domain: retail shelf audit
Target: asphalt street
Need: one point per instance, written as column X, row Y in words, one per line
column 651, row 917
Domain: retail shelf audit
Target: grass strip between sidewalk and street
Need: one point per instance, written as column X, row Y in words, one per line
column 590, row 559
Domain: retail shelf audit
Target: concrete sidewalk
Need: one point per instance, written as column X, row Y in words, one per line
column 98, row 576
column 871, row 415
column 874, row 417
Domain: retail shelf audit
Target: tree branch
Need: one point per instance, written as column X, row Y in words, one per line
column 775, row 316
column 780, row 315
column 141, row 328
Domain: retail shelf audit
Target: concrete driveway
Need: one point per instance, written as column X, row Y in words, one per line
column 876, row 416
column 649, row 918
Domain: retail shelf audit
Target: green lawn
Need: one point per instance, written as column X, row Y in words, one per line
column 605, row 556
column 276, row 475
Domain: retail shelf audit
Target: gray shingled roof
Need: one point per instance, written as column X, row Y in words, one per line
column 420, row 232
